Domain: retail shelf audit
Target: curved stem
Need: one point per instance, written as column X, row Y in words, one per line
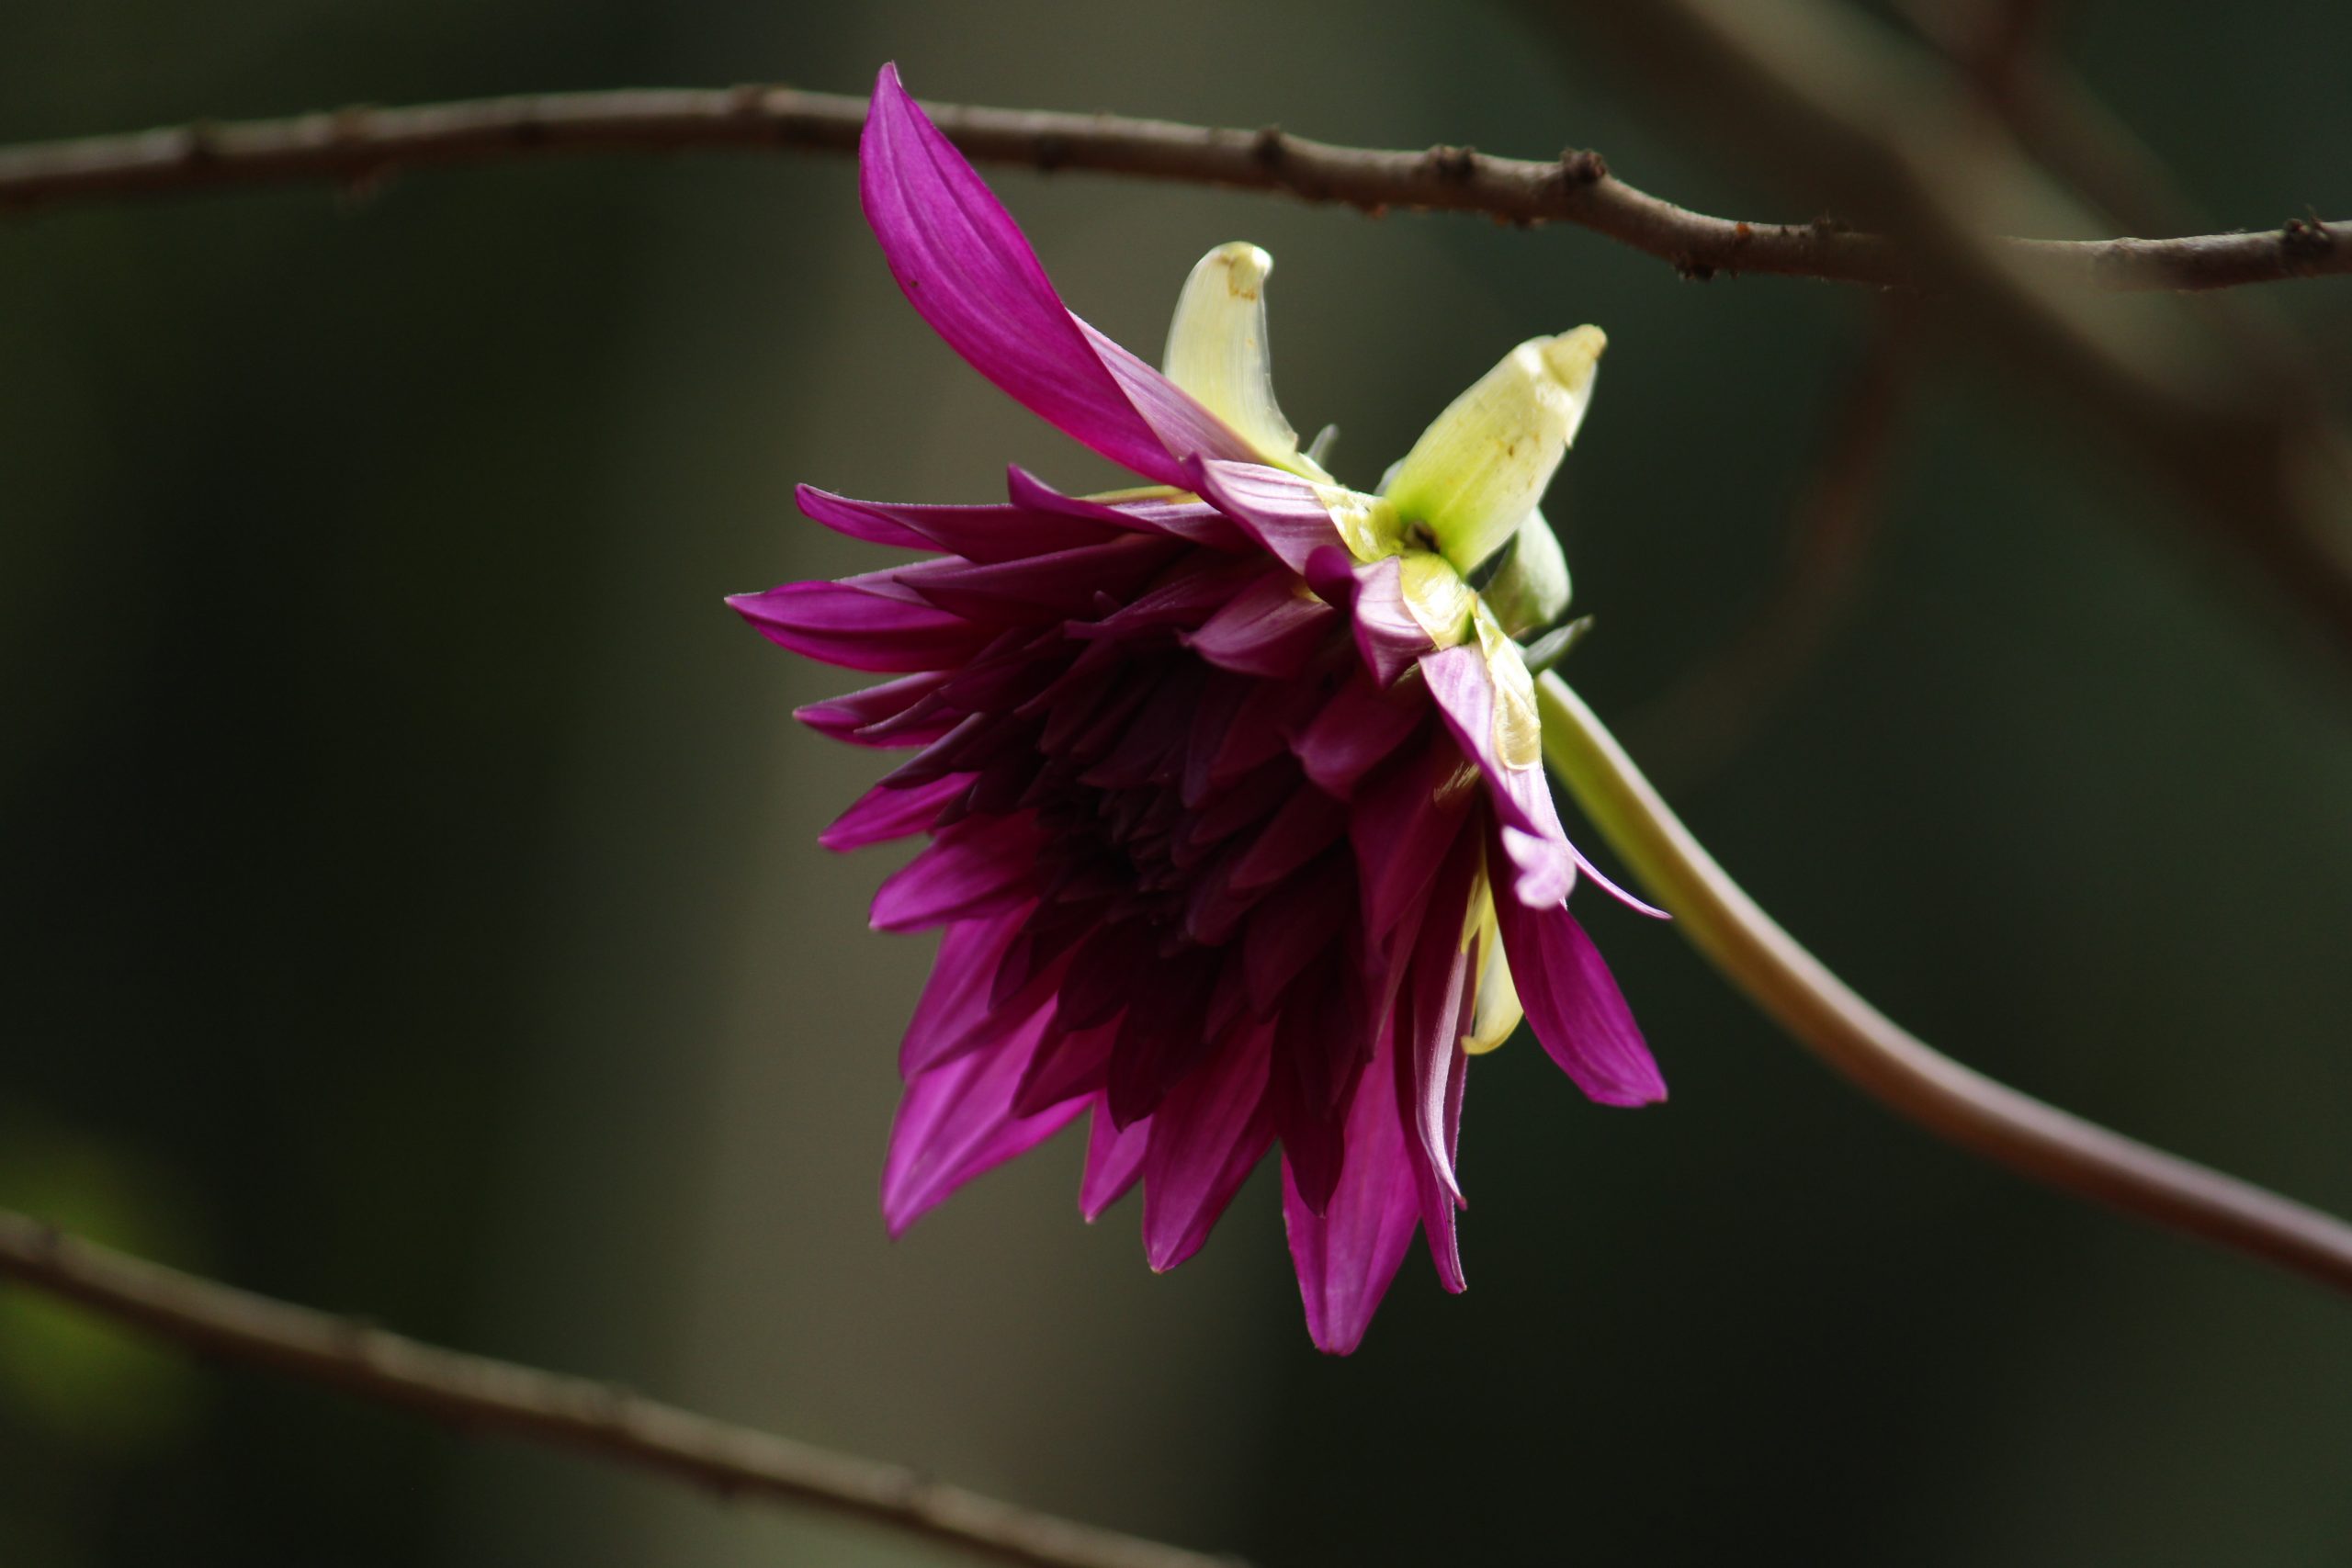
column 1953, row 1102
column 546, row 1407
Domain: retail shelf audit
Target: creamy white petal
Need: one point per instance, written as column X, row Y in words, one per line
column 1217, row 352
column 1485, row 463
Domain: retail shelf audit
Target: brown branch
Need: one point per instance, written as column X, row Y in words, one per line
column 545, row 1407
column 360, row 146
column 1829, row 102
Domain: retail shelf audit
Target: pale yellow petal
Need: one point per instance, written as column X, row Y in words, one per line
column 1484, row 464
column 1217, row 352
column 1496, row 1010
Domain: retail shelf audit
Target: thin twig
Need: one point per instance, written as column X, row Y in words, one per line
column 1830, row 102
column 545, row 1407
column 360, row 146
column 1881, row 1058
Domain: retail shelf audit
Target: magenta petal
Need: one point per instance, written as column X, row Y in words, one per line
column 1388, row 638
column 1113, row 1161
column 1539, row 848
column 1307, row 824
column 1065, row 1065
column 860, row 626
column 1048, row 587
column 1169, row 514
column 1278, row 509
column 1575, row 1007
column 1440, row 1002
column 985, row 534
column 956, row 1122
column 967, row 270
column 978, row 866
column 1354, row 732
column 1273, row 628
column 1402, row 823
column 846, row 717
column 1206, row 1136
column 1438, row 1204
column 1347, row 1258
column 956, row 999
column 883, row 813
column 858, row 519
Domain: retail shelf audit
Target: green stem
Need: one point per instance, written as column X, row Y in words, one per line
column 1953, row 1102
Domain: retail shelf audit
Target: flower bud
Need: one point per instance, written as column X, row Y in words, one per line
column 1485, row 463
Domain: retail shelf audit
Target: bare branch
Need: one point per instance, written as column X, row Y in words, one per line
column 1837, row 108
column 360, row 146
column 545, row 1407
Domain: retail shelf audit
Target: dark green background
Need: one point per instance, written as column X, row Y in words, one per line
column 409, row 905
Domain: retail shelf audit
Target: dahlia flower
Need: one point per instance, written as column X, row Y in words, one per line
column 1239, row 833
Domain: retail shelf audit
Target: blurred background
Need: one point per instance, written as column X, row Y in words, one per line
column 409, row 902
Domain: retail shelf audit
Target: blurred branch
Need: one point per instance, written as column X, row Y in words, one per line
column 1834, row 105
column 562, row 1412
column 1883, row 1059
column 2004, row 45
column 360, row 146
column 1708, row 714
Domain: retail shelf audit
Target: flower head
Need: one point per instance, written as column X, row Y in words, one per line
column 1238, row 832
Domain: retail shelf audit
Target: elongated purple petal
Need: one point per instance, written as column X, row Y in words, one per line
column 980, row 866
column 1402, row 823
column 1347, row 1258
column 1206, row 1137
column 1575, row 1007
column 1167, row 513
column 883, row 813
column 957, row 1000
column 859, row 627
column 1439, row 1002
column 956, row 1122
column 985, row 533
column 1273, row 628
column 967, row 270
column 1280, row 510
column 1465, row 693
column 1042, row 587
column 1388, row 637
column 847, row 717
column 1114, row 1162
column 1354, row 732
column 858, row 519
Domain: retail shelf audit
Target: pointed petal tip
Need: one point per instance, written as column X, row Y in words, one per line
column 1330, row 1346
column 898, row 1217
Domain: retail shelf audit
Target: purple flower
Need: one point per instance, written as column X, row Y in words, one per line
column 1238, row 831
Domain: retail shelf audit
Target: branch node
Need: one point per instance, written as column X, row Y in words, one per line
column 1583, row 167
column 747, row 99
column 1053, row 152
column 1270, row 146
column 2304, row 240
column 350, row 125
column 1456, row 165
